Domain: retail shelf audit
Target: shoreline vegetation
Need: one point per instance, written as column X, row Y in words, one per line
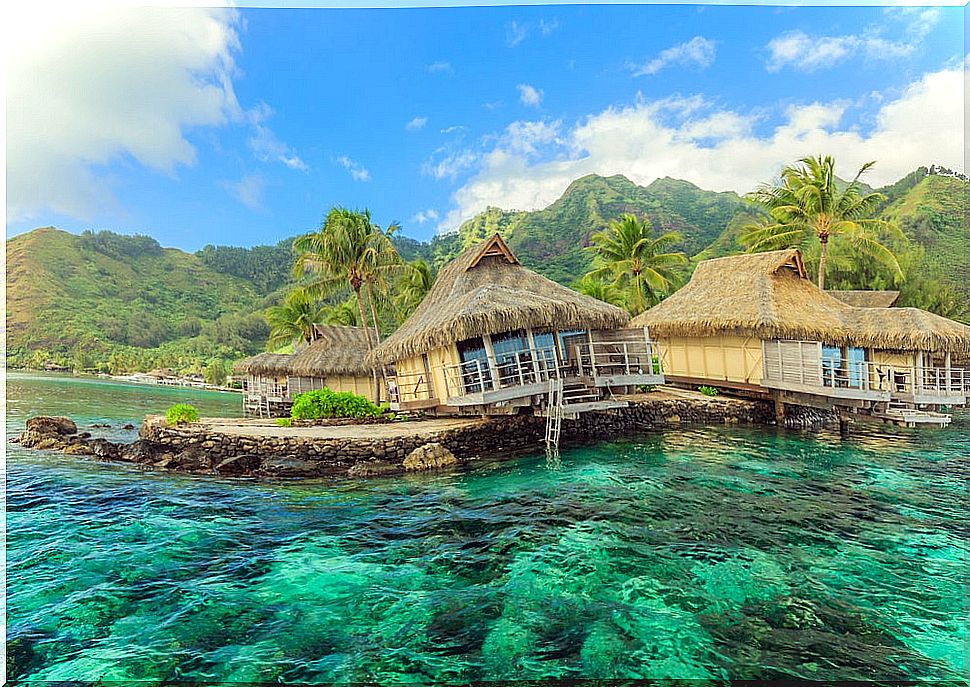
column 197, row 313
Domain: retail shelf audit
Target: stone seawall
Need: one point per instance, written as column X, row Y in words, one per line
column 201, row 449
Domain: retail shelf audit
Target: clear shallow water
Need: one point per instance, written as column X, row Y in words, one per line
column 707, row 553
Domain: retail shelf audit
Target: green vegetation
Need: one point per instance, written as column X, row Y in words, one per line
column 810, row 204
column 293, row 320
column 324, row 403
column 638, row 264
column 180, row 413
column 283, row 422
column 708, row 390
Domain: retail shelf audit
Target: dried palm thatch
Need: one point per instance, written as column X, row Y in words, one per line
column 264, row 365
column 867, row 299
column 767, row 295
column 485, row 290
column 336, row 351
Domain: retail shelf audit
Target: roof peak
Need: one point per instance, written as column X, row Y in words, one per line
column 496, row 247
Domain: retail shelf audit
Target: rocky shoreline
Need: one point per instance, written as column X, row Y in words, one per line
column 199, row 448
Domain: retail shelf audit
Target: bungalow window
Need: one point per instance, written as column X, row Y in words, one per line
column 474, row 376
column 831, row 364
column 545, row 342
column 568, row 340
column 856, row 358
column 512, row 357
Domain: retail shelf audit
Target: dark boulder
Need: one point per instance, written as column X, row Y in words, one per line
column 140, row 451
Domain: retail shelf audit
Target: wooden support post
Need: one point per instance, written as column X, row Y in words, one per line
column 779, row 410
column 843, row 426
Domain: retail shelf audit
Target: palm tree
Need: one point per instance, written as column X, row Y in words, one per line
column 808, row 205
column 600, row 290
column 293, row 319
column 635, row 261
column 413, row 286
column 344, row 314
column 349, row 251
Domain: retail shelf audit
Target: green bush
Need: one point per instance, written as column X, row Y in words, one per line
column 324, row 403
column 284, row 422
column 181, row 413
column 707, row 390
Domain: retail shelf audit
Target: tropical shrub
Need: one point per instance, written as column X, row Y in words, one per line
column 181, row 413
column 324, row 403
column 284, row 422
column 707, row 390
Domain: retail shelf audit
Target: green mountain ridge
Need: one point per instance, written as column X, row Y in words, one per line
column 127, row 297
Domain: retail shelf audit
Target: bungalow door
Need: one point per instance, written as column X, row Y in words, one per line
column 856, row 358
column 475, row 374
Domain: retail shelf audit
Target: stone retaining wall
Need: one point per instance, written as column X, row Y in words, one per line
column 196, row 449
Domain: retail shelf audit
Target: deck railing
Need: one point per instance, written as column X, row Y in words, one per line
column 513, row 369
column 615, row 358
column 408, row 387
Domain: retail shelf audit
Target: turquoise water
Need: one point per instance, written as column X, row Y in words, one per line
column 704, row 553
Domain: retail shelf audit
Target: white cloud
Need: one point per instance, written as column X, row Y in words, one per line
column 416, row 124
column 266, row 146
column 440, row 68
column 530, row 96
column 516, row 32
column 453, row 129
column 429, row 215
column 698, row 52
column 803, row 52
column 357, row 171
column 86, row 87
column 447, row 164
column 530, row 164
column 248, row 190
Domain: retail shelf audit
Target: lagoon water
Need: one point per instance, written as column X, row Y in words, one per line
column 703, row 553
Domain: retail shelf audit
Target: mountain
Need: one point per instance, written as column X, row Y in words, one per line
column 105, row 294
column 552, row 240
column 933, row 213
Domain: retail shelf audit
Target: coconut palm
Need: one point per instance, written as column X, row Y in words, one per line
column 600, row 290
column 413, row 286
column 344, row 314
column 293, row 319
column 641, row 265
column 349, row 251
column 808, row 205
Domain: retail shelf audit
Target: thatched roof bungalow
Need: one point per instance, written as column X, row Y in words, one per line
column 264, row 365
column 490, row 331
column 336, row 359
column 745, row 320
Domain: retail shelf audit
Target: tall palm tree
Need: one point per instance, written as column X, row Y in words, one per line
column 293, row 319
column 808, row 205
column 635, row 261
column 413, row 286
column 344, row 314
column 349, row 251
column 600, row 290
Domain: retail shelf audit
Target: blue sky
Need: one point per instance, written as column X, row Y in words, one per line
column 244, row 126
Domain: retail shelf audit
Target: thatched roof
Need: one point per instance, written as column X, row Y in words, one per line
column 336, row 351
column 485, row 290
column 867, row 299
column 264, row 365
column 767, row 295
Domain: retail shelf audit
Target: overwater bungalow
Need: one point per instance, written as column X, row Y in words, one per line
column 335, row 359
column 493, row 337
column 756, row 324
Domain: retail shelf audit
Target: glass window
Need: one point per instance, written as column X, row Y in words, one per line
column 511, row 357
column 470, row 350
column 856, row 359
column 831, row 364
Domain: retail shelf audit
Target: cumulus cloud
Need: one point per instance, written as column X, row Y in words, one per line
column 530, row 96
column 88, row 86
column 803, row 52
column 697, row 52
column 445, row 163
column 357, row 171
column 416, row 124
column 429, row 215
column 530, row 164
column 248, row 190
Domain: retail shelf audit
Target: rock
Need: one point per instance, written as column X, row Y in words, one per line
column 51, row 425
column 101, row 425
column 45, row 444
column 140, row 451
column 238, row 465
column 288, row 466
column 79, row 449
column 128, row 426
column 373, row 468
column 104, row 449
column 429, row 457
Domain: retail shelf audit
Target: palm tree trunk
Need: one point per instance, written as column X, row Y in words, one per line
column 821, row 261
column 370, row 343
column 373, row 312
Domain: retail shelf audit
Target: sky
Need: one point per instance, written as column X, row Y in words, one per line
column 243, row 126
